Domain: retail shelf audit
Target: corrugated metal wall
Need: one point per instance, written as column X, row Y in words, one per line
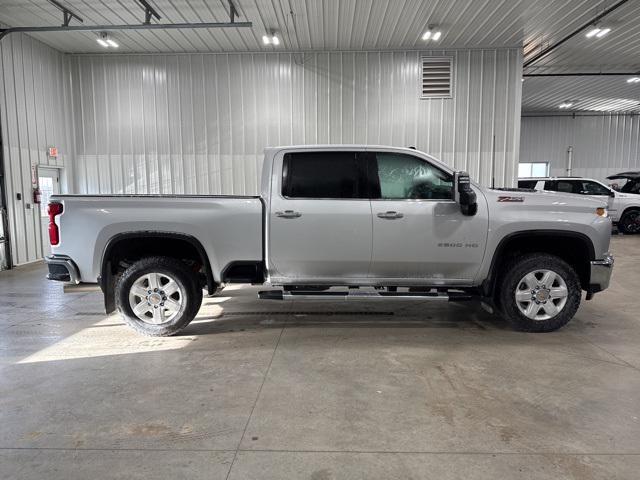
column 198, row 123
column 35, row 114
column 602, row 144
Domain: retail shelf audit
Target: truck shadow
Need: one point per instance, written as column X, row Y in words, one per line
column 417, row 315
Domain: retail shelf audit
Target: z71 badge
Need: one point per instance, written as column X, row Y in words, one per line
column 510, row 199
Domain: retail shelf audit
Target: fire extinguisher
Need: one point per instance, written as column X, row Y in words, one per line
column 37, row 195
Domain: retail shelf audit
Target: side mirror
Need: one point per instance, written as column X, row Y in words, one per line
column 612, row 193
column 464, row 194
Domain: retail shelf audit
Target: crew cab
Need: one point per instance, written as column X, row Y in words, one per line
column 624, row 207
column 333, row 222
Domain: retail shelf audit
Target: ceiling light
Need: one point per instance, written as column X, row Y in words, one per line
column 603, row 32
column 431, row 34
column 105, row 40
column 271, row 38
column 594, row 31
column 565, row 105
column 633, row 80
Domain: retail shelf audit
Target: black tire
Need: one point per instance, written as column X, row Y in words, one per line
column 189, row 295
column 629, row 224
column 510, row 283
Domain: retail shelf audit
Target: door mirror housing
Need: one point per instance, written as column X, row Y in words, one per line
column 612, row 193
column 464, row 194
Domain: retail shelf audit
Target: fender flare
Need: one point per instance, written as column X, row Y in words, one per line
column 105, row 280
column 489, row 284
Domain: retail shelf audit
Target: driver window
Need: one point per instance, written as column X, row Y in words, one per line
column 593, row 188
column 407, row 177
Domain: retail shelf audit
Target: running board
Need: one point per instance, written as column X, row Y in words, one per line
column 359, row 295
column 80, row 287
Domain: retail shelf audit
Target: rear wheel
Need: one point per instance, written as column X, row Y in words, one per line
column 630, row 222
column 539, row 293
column 158, row 296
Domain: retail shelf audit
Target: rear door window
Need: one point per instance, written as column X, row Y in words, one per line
column 324, row 175
column 567, row 186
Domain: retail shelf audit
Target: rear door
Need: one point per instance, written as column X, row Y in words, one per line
column 419, row 233
column 319, row 218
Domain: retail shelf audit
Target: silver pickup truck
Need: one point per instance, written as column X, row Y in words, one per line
column 337, row 222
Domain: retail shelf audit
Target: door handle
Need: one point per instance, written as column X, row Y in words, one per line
column 391, row 215
column 288, row 214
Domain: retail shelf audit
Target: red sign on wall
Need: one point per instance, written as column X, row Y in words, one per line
column 53, row 152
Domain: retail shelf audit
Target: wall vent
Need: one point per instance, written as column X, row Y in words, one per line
column 437, row 77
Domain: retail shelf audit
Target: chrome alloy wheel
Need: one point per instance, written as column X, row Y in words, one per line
column 156, row 298
column 541, row 294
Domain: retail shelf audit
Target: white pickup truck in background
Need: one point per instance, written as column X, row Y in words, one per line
column 337, row 222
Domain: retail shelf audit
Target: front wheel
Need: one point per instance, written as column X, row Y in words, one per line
column 630, row 222
column 158, row 296
column 539, row 293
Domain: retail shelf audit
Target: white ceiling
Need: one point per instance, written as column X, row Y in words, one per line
column 592, row 94
column 320, row 24
column 370, row 25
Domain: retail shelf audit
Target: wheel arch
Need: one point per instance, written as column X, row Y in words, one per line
column 627, row 210
column 115, row 244
column 632, row 208
column 576, row 248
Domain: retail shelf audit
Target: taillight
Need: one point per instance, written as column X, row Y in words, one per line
column 54, row 209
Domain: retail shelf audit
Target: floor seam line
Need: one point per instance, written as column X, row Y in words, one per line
column 376, row 452
column 393, row 452
column 608, row 352
column 264, row 380
column 107, row 449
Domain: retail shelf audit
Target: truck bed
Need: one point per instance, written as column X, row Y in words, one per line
column 229, row 228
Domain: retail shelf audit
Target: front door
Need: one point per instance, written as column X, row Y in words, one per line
column 49, row 183
column 419, row 234
column 579, row 186
column 319, row 218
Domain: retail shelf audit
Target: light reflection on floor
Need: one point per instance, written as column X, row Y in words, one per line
column 110, row 336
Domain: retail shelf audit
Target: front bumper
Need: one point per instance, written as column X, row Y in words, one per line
column 62, row 269
column 601, row 273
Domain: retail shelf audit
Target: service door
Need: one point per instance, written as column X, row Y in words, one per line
column 419, row 234
column 319, row 218
column 49, row 183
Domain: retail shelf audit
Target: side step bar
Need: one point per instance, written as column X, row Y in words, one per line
column 359, row 295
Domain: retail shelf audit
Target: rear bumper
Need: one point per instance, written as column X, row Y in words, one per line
column 601, row 273
column 62, row 269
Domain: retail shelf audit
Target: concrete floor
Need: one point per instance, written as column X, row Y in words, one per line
column 267, row 390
